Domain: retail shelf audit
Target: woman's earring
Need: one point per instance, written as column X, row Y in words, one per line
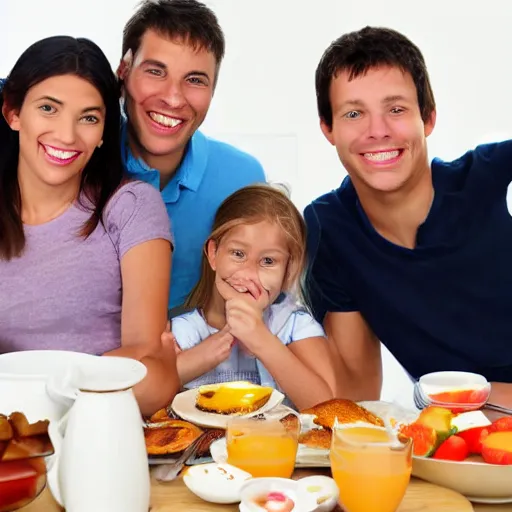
column 100, row 144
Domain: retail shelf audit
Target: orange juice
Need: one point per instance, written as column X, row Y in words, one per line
column 262, row 448
column 371, row 473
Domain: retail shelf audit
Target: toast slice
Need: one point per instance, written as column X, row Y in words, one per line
column 317, row 438
column 346, row 411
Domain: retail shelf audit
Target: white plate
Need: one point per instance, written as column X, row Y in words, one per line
column 184, row 405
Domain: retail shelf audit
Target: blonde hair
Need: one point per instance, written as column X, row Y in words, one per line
column 250, row 205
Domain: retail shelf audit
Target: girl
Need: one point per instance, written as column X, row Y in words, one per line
column 84, row 257
column 245, row 323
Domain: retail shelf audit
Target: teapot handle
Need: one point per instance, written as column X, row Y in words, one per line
column 56, row 431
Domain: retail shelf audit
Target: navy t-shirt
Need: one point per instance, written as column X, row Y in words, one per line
column 447, row 303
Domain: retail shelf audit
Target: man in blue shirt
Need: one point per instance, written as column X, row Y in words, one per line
column 417, row 256
column 172, row 54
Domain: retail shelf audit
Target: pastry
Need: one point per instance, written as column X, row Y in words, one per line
column 170, row 436
column 232, row 397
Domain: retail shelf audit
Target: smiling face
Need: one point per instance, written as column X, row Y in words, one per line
column 252, row 258
column 60, row 125
column 377, row 128
column 168, row 90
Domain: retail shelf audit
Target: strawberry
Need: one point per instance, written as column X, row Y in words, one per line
column 474, row 438
column 454, row 448
column 501, row 425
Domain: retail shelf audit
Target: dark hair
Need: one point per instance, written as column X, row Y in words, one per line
column 189, row 20
column 57, row 56
column 370, row 47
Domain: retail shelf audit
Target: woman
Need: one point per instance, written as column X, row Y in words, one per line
column 84, row 256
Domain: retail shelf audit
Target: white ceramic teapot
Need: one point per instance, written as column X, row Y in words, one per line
column 23, row 378
column 100, row 462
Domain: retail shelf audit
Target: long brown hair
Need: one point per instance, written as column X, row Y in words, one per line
column 57, row 56
column 250, row 205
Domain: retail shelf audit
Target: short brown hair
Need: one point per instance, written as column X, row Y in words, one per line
column 188, row 20
column 371, row 47
column 251, row 205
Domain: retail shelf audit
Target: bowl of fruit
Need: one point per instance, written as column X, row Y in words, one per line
column 23, row 448
column 464, row 452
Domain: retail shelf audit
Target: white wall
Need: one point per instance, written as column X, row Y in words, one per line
column 265, row 101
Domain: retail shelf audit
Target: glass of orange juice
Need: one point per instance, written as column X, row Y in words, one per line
column 371, row 467
column 264, row 445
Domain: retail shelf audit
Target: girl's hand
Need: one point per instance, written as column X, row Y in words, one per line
column 244, row 310
column 246, row 323
column 221, row 344
column 168, row 337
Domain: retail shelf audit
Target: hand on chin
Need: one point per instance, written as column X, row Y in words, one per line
column 244, row 311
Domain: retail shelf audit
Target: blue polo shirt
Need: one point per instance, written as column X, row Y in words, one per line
column 209, row 173
column 447, row 303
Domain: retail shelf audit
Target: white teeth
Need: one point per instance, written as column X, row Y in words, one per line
column 58, row 153
column 166, row 121
column 240, row 289
column 382, row 156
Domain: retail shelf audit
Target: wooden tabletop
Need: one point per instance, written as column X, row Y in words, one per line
column 175, row 497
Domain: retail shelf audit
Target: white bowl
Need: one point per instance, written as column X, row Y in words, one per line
column 216, row 483
column 478, row 481
column 305, row 493
column 442, row 382
column 258, row 487
column 323, row 489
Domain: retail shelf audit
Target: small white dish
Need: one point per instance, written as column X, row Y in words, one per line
column 458, row 391
column 184, row 405
column 258, row 489
column 216, row 483
column 310, row 494
column 323, row 489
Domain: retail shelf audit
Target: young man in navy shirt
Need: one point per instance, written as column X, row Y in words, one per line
column 172, row 52
column 416, row 255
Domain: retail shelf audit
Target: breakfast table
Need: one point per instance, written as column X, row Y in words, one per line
column 174, row 496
